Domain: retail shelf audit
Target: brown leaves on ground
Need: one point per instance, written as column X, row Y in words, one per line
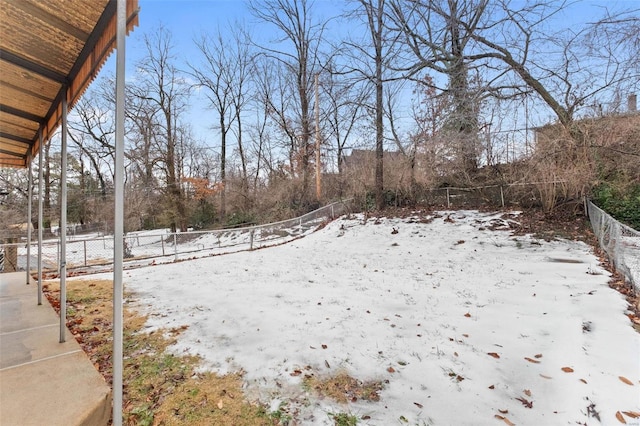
column 625, row 380
column 620, row 417
column 567, row 369
column 159, row 387
column 344, row 388
column 525, row 402
column 493, row 354
column 504, row 419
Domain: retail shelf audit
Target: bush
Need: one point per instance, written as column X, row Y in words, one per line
column 240, row 219
column 621, row 203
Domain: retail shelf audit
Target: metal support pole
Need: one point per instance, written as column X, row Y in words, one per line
column 175, row 245
column 448, row 202
column 29, row 220
column 84, row 243
column 318, row 156
column 40, row 214
column 63, row 221
column 118, row 233
column 501, row 196
column 251, row 239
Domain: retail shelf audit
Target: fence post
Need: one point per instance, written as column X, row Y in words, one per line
column 448, row 202
column 501, row 196
column 332, row 213
column 162, row 241
column 175, row 245
column 84, row 243
column 251, row 239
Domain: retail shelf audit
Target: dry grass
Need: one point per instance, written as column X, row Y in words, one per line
column 343, row 388
column 160, row 388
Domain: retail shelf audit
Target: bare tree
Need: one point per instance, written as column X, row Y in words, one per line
column 92, row 129
column 297, row 50
column 438, row 37
column 217, row 75
column 162, row 93
column 518, row 51
column 371, row 57
column 344, row 109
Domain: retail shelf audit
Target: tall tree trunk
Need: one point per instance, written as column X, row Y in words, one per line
column 379, row 180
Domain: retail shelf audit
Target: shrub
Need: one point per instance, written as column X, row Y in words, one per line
column 621, row 203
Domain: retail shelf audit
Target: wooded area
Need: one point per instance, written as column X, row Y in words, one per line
column 418, row 95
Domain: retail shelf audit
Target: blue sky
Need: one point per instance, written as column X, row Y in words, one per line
column 188, row 19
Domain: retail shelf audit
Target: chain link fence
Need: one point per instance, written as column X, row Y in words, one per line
column 94, row 253
column 620, row 242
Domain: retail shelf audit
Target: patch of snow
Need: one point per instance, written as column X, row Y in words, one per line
column 461, row 323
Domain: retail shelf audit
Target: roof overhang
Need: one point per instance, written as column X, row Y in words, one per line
column 49, row 49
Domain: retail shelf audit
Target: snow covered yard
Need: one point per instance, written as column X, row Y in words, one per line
column 462, row 324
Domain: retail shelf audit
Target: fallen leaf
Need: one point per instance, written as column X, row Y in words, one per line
column 465, row 334
column 326, row 363
column 538, row 356
column 220, row 405
column 455, row 353
column 625, row 380
column 528, row 404
column 527, row 392
column 296, row 373
column 391, row 370
column 535, row 361
column 492, row 387
column 546, row 377
column 366, row 417
column 504, row 411
column 468, row 315
column 632, row 414
column 504, row 419
column 493, row 354
column 620, row 418
column 567, row 369
column 324, row 346
column 583, row 381
column 417, row 405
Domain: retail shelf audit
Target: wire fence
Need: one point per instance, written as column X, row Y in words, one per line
column 95, row 253
column 620, row 242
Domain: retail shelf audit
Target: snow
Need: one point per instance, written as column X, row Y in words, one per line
column 429, row 298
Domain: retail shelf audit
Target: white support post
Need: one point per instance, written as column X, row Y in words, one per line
column 63, row 220
column 40, row 214
column 175, row 246
column 118, row 233
column 29, row 220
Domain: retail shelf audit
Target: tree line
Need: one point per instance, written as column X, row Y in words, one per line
column 408, row 94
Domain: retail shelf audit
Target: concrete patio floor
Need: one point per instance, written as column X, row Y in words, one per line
column 43, row 381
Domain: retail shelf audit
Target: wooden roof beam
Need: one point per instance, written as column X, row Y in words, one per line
column 26, row 64
column 38, row 13
column 22, row 114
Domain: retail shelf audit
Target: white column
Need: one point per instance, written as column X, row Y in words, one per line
column 63, row 221
column 119, row 215
column 29, row 207
column 40, row 214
